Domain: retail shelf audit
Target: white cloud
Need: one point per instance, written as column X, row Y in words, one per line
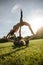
column 15, row 7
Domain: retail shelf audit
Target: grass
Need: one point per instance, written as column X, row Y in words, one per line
column 31, row 55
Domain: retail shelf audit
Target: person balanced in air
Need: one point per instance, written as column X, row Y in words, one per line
column 19, row 25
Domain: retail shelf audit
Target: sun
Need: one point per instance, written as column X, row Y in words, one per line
column 36, row 22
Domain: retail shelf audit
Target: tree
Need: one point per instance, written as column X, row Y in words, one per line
column 39, row 33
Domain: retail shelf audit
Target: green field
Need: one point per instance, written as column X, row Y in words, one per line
column 31, row 55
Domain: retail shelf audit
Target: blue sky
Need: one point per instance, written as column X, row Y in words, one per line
column 10, row 15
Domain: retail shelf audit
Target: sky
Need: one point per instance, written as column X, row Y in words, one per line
column 10, row 15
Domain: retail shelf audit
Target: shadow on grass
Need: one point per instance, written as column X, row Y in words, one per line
column 6, row 47
column 16, row 49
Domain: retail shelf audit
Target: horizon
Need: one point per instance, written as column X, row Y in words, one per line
column 10, row 15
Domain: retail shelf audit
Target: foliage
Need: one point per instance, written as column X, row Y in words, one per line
column 39, row 33
column 3, row 40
